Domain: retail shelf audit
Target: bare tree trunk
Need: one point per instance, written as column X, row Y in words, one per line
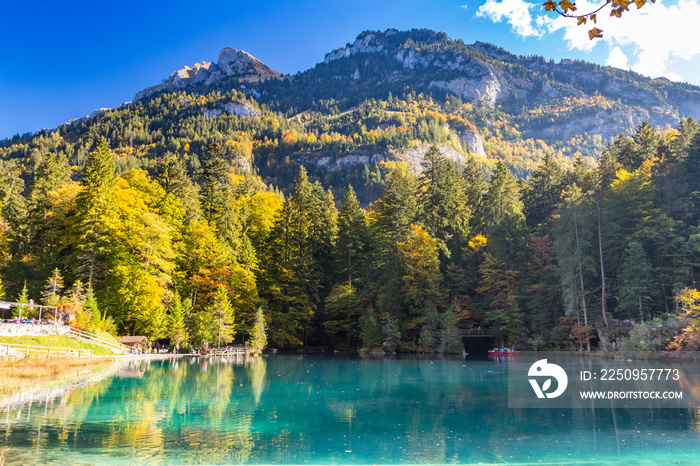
column 604, row 305
column 580, row 275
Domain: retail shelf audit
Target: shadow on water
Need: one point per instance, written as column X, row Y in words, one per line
column 344, row 409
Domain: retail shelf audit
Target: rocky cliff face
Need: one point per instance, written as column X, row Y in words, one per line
column 367, row 43
column 485, row 73
column 413, row 157
column 547, row 100
column 231, row 62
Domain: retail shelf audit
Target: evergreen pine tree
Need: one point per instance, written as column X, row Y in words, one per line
column 52, row 289
column 443, row 202
column 636, row 283
column 23, row 295
column 213, row 183
column 391, row 334
column 92, row 207
column 176, row 321
column 371, row 332
column 258, row 334
column 450, row 336
column 475, row 189
column 52, row 173
column 14, row 210
column 173, row 177
column 222, row 319
column 393, row 215
column 428, row 340
column 502, row 199
column 23, row 298
column 542, row 194
column 352, row 237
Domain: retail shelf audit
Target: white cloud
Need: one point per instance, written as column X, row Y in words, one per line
column 618, row 59
column 515, row 12
column 654, row 37
column 465, row 6
column 658, row 33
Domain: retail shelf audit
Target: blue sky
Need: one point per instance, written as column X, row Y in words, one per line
column 62, row 59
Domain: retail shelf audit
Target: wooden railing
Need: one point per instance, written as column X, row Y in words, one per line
column 229, row 351
column 48, row 351
column 98, row 340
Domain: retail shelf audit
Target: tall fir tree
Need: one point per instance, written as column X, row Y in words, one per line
column 542, row 194
column 50, row 175
column 92, row 207
column 636, row 286
column 443, row 202
column 392, row 218
column 213, row 177
column 177, row 332
column 258, row 334
column 352, row 238
column 52, row 289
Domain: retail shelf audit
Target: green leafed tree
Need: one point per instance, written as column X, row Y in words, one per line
column 23, row 295
column 392, row 218
column 542, row 194
column 502, row 199
column 352, row 238
column 88, row 231
column 636, row 287
column 52, row 289
column 443, row 202
column 574, row 252
column 177, row 332
column 371, row 332
column 213, row 183
column 391, row 334
column 172, row 176
column 220, row 313
column 500, row 287
column 429, row 337
column 258, row 334
column 450, row 336
column 50, row 175
column 421, row 281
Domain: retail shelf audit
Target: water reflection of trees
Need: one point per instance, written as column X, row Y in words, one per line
column 286, row 408
column 155, row 410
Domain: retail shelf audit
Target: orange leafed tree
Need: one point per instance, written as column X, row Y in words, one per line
column 689, row 339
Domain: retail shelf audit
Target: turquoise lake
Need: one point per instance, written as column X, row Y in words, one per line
column 294, row 409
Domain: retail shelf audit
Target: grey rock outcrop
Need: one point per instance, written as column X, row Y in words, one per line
column 232, row 108
column 231, row 62
column 474, row 142
column 364, row 44
column 412, row 156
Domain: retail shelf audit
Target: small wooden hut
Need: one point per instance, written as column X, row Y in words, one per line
column 135, row 341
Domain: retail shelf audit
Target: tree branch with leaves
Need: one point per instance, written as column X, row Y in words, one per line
column 568, row 9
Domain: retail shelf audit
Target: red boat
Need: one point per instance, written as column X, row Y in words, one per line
column 504, row 353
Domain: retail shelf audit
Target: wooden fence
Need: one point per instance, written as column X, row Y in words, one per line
column 48, row 351
column 98, row 340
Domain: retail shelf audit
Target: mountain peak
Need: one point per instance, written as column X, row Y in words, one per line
column 232, row 62
column 387, row 41
column 241, row 64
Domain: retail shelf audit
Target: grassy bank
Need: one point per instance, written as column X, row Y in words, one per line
column 57, row 341
column 16, row 374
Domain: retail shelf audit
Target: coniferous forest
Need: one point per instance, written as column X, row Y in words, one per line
column 367, row 203
column 568, row 259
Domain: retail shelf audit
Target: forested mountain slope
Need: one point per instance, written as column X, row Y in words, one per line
column 376, row 201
